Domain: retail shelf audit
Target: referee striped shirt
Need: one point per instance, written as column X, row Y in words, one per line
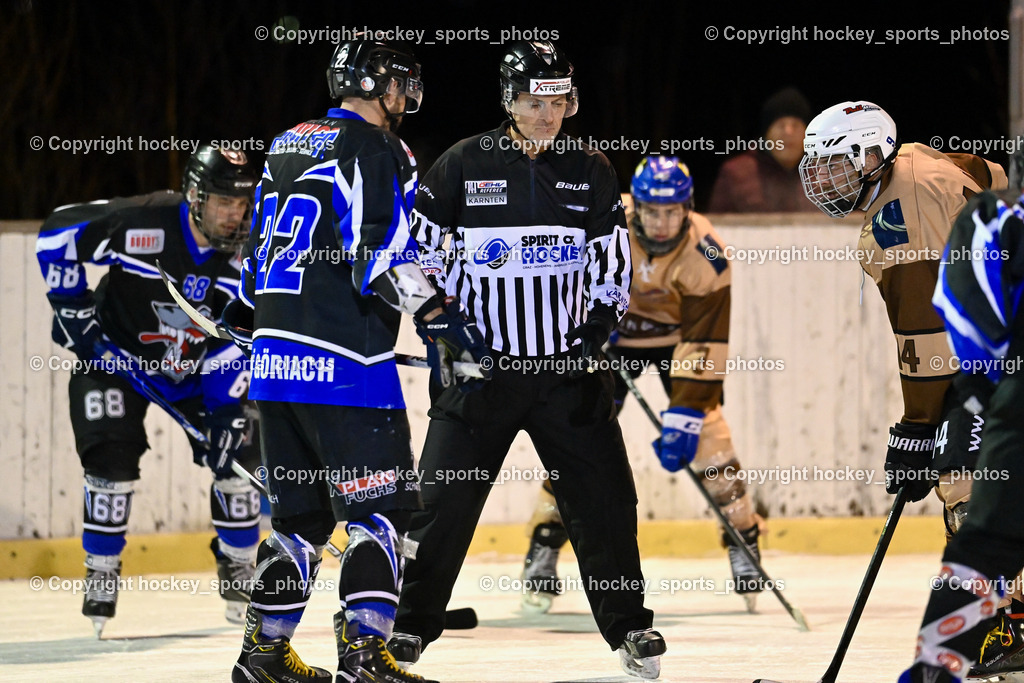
column 533, row 244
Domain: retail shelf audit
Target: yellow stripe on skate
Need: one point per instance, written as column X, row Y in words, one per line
column 190, row 552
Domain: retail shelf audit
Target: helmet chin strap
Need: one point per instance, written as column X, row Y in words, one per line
column 869, row 182
column 394, row 120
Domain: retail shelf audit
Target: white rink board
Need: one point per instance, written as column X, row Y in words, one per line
column 830, row 407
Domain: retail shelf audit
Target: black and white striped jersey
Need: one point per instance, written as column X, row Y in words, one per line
column 534, row 243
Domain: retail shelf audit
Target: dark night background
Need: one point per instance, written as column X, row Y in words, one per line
column 195, row 70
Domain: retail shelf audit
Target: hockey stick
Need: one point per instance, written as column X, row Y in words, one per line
column 865, row 589
column 797, row 615
column 220, row 332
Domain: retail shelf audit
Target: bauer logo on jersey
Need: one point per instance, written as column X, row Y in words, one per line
column 550, row 86
column 144, row 241
column 889, row 226
column 373, row 486
column 486, row 192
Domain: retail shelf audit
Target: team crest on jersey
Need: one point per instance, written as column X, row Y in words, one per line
column 647, row 269
column 889, row 226
column 480, row 192
column 712, row 251
column 144, row 241
column 180, row 336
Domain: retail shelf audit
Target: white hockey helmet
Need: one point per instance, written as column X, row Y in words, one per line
column 836, row 147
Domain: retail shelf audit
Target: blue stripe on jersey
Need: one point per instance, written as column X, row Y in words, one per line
column 57, row 254
column 336, row 113
column 284, row 370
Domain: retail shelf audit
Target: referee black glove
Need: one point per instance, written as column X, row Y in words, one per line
column 592, row 335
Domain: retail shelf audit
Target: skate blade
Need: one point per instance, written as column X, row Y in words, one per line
column 97, row 626
column 536, row 603
column 751, row 600
column 234, row 611
column 648, row 668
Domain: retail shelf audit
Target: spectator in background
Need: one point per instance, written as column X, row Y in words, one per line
column 766, row 180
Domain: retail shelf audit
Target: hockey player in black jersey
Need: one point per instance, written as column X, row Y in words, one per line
column 964, row 635
column 539, row 252
column 196, row 239
column 329, row 268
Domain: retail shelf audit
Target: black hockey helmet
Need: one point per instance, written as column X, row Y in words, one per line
column 211, row 170
column 538, row 68
column 364, row 68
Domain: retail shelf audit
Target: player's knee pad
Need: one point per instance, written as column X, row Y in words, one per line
column 955, row 493
column 371, row 573
column 235, row 511
column 963, row 601
column 113, row 460
column 108, row 505
column 722, row 482
column 546, row 510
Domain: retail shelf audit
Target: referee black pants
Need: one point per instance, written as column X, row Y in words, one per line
column 579, row 442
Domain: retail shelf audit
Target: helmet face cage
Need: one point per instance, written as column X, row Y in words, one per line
column 225, row 173
column 833, row 182
column 367, row 70
column 660, row 180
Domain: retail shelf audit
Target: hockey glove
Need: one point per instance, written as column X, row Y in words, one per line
column 680, row 434
column 451, row 337
column 908, row 459
column 239, row 322
column 592, row 335
column 75, row 325
column 226, row 427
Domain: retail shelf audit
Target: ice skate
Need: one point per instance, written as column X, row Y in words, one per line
column 1002, row 653
column 405, row 648
column 266, row 660
column 640, row 653
column 234, row 583
column 103, row 572
column 540, row 571
column 366, row 658
column 746, row 579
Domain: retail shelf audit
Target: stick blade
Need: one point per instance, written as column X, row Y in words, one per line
column 208, row 326
column 460, row 619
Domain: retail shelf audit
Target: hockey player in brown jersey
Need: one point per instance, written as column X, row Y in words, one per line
column 678, row 324
column 910, row 196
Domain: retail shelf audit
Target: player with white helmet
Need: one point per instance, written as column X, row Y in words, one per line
column 910, row 196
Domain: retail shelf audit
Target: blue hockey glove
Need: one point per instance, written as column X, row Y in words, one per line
column 75, row 325
column 451, row 337
column 680, row 433
column 226, row 427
